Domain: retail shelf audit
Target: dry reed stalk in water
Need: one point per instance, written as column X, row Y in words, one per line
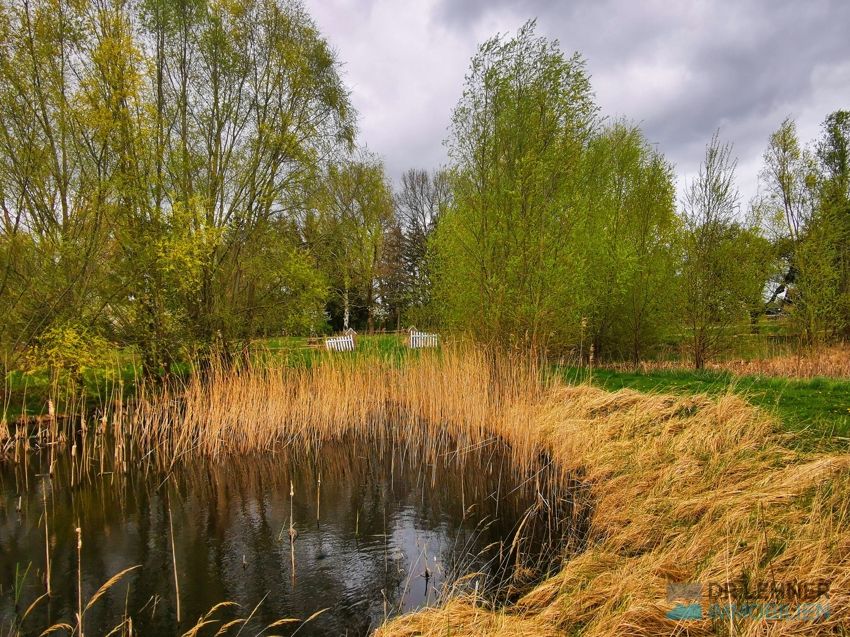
column 80, row 631
column 174, row 561
column 318, row 496
column 46, row 539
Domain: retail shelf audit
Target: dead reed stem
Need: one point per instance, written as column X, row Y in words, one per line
column 80, row 630
column 46, row 539
column 174, row 561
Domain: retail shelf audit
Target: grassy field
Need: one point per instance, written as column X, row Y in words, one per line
column 818, row 409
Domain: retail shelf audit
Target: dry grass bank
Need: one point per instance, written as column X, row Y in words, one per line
column 686, row 489
column 831, row 361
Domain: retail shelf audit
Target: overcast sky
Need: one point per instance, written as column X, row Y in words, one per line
column 679, row 69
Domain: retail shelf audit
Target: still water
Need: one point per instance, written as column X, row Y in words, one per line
column 377, row 532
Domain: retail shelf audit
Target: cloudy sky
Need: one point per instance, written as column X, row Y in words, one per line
column 679, row 69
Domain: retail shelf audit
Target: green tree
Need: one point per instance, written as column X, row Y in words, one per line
column 154, row 160
column 833, row 152
column 724, row 262
column 53, row 230
column 628, row 241
column 504, row 262
column 346, row 231
column 788, row 182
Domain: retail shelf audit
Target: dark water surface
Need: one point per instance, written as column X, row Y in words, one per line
column 391, row 534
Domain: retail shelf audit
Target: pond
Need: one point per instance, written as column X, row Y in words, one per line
column 376, row 531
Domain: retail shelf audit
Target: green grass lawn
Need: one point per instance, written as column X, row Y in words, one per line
column 818, row 410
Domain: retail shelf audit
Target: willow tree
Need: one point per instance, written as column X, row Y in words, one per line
column 628, row 242
column 153, row 161
column 256, row 107
column 53, row 228
column 505, row 269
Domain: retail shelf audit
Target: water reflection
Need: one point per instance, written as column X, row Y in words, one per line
column 382, row 533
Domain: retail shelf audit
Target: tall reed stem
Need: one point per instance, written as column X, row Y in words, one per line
column 318, row 497
column 80, row 631
column 174, row 561
column 46, row 540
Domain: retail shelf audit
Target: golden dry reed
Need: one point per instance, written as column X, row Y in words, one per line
column 441, row 401
column 828, row 361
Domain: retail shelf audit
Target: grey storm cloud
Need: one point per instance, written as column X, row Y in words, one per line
column 680, row 70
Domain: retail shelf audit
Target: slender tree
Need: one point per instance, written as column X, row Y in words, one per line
column 346, row 231
column 723, row 272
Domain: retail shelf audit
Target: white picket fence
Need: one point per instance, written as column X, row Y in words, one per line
column 340, row 343
column 417, row 340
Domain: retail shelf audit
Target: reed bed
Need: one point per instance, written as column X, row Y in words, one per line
column 832, row 362
column 439, row 402
column 685, row 489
